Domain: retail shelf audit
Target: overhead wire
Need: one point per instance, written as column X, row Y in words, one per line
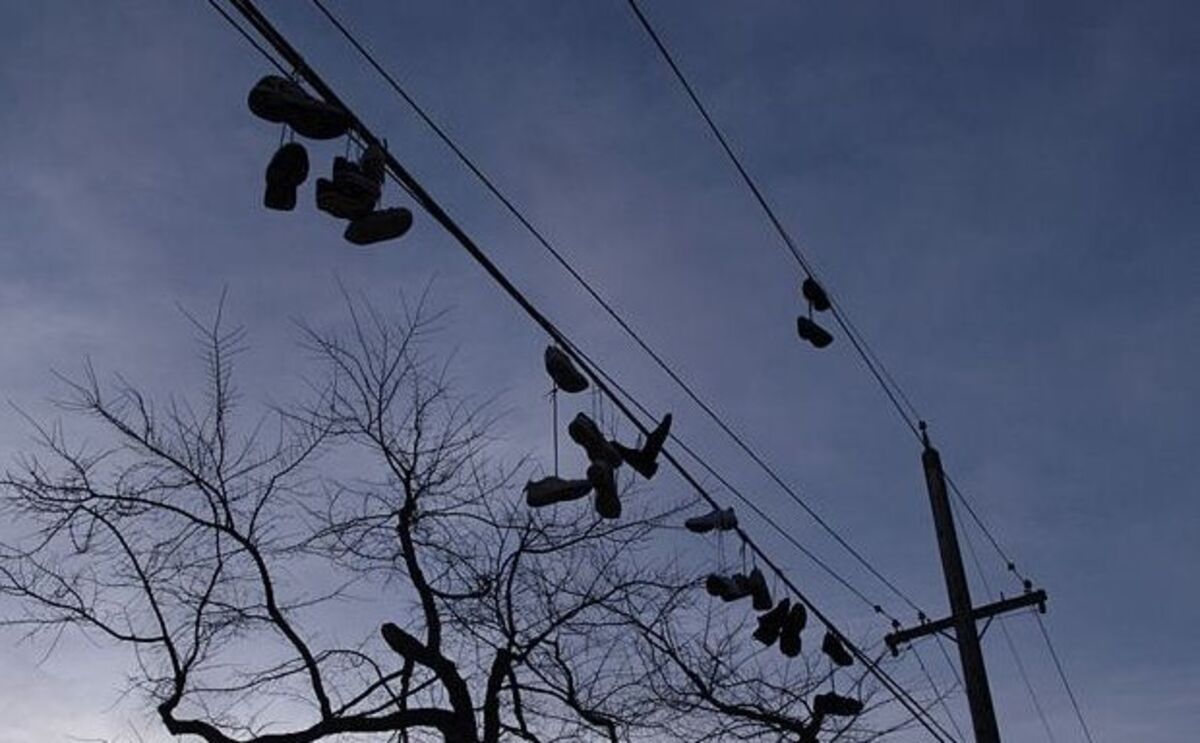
column 437, row 212
column 1012, row 648
column 900, row 401
column 895, row 393
column 1062, row 675
column 688, row 390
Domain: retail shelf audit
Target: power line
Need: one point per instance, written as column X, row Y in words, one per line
column 435, row 210
column 1062, row 674
column 1012, row 648
column 937, row 692
column 895, row 393
column 537, row 234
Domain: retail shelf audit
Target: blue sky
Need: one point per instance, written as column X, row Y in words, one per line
column 1004, row 197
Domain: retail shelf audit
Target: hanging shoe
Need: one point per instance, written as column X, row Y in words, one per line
column 562, row 370
column 836, row 705
column 813, row 333
column 601, row 477
column 378, row 226
column 737, row 587
column 373, row 163
column 727, row 588
column 550, row 490
column 720, row 519
column 286, row 171
column 350, row 178
column 771, row 624
column 336, row 202
column 815, row 295
column 836, row 651
column 759, row 590
column 789, row 636
column 584, row 431
column 280, row 100
column 643, row 460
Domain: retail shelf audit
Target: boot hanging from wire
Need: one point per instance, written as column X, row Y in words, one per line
column 377, row 225
column 562, row 370
column 643, row 460
column 818, row 300
column 836, row 651
column 280, row 100
column 286, row 171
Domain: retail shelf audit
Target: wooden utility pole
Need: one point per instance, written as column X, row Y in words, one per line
column 963, row 614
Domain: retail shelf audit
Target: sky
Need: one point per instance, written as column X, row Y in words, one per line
column 1005, row 197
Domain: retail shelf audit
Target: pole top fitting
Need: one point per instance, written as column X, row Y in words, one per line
column 924, row 433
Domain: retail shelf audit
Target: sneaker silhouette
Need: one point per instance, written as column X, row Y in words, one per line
column 378, row 226
column 286, row 171
column 836, row 651
column 584, row 431
column 816, row 335
column 373, row 163
column 550, row 490
column 350, row 178
column 771, row 623
column 738, row 586
column 728, row 588
column 643, row 460
column 600, row 475
column 836, row 705
column 562, row 370
column 759, row 590
column 280, row 100
column 815, row 295
column 720, row 519
column 789, row 635
column 336, row 202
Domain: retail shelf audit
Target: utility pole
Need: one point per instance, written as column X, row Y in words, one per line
column 963, row 614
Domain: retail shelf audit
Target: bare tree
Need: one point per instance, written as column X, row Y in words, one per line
column 235, row 558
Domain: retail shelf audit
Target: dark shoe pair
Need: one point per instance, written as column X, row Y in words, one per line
column 286, row 171
column 283, row 101
column 561, row 369
column 836, row 705
column 644, row 460
column 350, row 194
column 783, row 623
column 816, row 335
column 739, row 586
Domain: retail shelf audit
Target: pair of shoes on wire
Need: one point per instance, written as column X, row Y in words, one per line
column 836, row 705
column 550, row 490
column 783, row 623
column 350, row 193
column 283, row 101
column 817, row 300
column 836, row 651
column 644, row 460
column 562, row 370
column 719, row 519
column 286, row 171
column 353, row 192
column 739, row 586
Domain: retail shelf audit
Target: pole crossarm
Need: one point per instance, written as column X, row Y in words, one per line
column 1033, row 598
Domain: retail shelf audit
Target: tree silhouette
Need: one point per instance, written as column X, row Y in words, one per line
column 360, row 566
